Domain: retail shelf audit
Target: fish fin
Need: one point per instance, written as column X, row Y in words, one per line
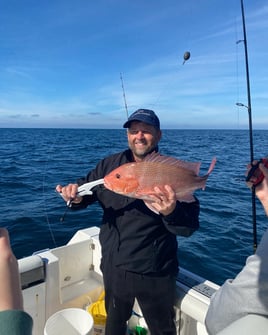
column 211, row 167
column 188, row 197
column 212, row 164
column 148, row 204
column 156, row 157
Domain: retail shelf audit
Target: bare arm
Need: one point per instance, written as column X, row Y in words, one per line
column 10, row 289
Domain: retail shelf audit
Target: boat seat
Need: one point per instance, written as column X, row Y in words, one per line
column 251, row 324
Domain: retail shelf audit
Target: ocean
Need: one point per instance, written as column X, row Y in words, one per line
column 34, row 161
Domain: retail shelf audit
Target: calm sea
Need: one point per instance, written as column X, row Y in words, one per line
column 34, row 161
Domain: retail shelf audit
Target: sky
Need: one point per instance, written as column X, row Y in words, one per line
column 89, row 64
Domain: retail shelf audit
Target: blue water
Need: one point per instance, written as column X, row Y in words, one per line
column 34, row 161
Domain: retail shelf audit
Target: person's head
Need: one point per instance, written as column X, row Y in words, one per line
column 143, row 130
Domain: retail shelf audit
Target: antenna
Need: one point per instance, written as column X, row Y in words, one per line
column 124, row 96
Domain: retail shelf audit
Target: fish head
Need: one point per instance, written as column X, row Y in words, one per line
column 122, row 180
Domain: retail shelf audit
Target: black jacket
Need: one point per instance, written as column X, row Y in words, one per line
column 132, row 236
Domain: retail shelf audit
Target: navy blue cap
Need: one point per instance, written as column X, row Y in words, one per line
column 143, row 115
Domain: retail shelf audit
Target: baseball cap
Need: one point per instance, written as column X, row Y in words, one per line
column 143, row 115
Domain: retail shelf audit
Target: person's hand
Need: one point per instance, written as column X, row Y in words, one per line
column 261, row 190
column 165, row 202
column 10, row 288
column 69, row 193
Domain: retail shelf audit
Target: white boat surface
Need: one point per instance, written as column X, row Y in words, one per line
column 70, row 277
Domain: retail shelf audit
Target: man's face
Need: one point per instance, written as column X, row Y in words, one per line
column 142, row 139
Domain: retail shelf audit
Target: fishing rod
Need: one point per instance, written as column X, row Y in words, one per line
column 124, row 96
column 253, row 197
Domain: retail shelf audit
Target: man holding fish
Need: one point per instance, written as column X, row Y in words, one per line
column 147, row 200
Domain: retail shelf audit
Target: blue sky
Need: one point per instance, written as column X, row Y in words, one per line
column 61, row 60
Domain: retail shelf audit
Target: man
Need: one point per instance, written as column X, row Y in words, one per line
column 247, row 294
column 139, row 247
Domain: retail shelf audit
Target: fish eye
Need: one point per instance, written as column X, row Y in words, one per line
column 117, row 175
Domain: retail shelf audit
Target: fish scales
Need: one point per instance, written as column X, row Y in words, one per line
column 151, row 174
column 138, row 179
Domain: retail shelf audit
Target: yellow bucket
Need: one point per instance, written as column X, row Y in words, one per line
column 98, row 312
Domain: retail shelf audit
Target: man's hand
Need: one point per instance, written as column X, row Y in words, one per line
column 165, row 202
column 69, row 193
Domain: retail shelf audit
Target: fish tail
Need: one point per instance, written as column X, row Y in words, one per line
column 203, row 184
column 205, row 177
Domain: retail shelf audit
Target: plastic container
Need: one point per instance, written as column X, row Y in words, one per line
column 70, row 321
column 98, row 312
column 137, row 325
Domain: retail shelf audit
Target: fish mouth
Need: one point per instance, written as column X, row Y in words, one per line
column 109, row 186
column 106, row 185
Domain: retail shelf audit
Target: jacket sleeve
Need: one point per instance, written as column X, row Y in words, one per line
column 15, row 322
column 184, row 220
column 246, row 294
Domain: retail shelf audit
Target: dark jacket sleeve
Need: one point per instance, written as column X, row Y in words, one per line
column 184, row 220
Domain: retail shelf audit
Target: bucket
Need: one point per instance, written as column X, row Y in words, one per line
column 98, row 312
column 137, row 325
column 70, row 321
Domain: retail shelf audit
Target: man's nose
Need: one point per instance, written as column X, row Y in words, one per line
column 140, row 134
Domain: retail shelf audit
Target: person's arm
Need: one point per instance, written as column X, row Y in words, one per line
column 247, row 293
column 13, row 320
column 10, row 290
column 184, row 220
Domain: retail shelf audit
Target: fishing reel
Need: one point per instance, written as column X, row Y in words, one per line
column 256, row 172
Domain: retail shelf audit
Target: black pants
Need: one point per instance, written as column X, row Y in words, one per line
column 155, row 295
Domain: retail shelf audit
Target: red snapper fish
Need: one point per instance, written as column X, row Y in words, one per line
column 138, row 179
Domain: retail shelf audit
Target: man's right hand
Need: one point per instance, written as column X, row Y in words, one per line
column 69, row 193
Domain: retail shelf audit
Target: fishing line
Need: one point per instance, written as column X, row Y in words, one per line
column 186, row 39
column 47, row 219
column 185, row 57
column 68, row 206
column 44, row 196
column 62, row 218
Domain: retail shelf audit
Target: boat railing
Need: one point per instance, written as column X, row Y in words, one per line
column 32, row 271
